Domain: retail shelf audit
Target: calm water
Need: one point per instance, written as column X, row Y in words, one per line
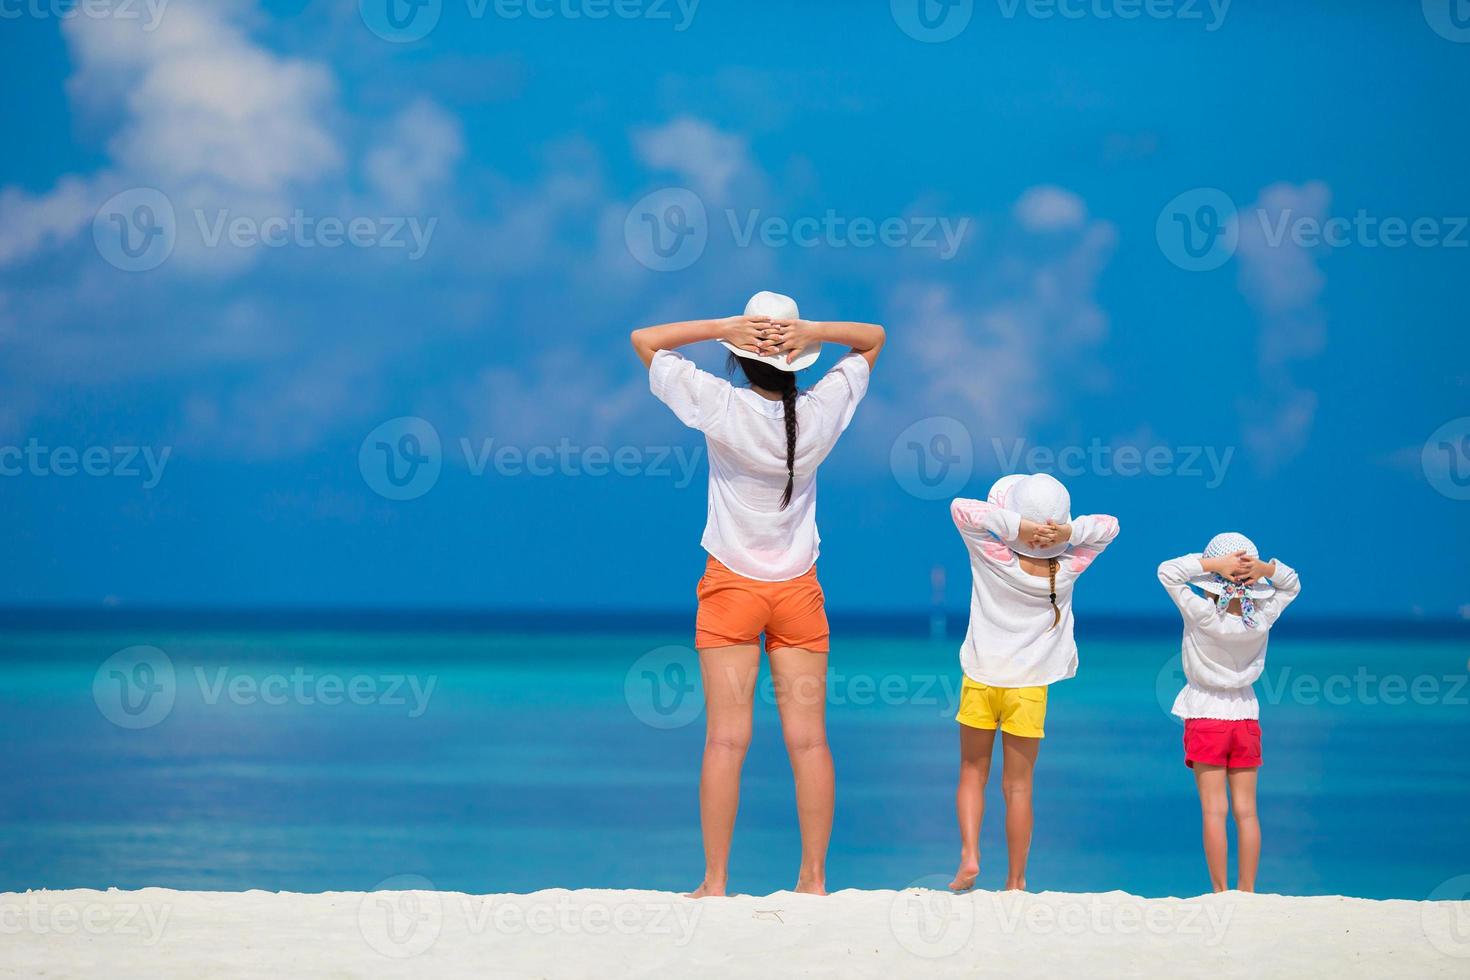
column 497, row 761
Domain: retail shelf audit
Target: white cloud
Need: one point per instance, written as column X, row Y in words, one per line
column 1283, row 282
column 417, row 155
column 1049, row 208
column 999, row 350
column 705, row 158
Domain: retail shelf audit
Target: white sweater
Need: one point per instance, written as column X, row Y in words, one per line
column 1222, row 656
column 1010, row 641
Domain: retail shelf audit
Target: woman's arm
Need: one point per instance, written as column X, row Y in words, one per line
column 753, row 333
column 794, row 336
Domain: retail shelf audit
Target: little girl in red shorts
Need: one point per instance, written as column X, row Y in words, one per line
column 1224, row 651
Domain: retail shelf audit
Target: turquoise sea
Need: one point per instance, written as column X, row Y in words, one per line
column 520, row 755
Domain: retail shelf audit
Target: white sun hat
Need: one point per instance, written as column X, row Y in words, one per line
column 1038, row 497
column 777, row 307
column 1228, row 543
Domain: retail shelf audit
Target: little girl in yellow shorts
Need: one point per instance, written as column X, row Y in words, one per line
column 1026, row 552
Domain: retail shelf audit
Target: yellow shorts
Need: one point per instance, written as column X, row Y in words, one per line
column 1015, row 710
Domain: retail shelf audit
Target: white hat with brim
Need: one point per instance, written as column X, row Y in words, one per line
column 1038, row 497
column 1228, row 543
column 777, row 307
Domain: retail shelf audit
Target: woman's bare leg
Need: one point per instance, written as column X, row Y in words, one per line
column 976, row 747
column 1247, row 825
column 800, row 680
column 729, row 692
column 1213, row 803
column 1018, row 764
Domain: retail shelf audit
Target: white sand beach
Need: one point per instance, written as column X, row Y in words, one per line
column 160, row 933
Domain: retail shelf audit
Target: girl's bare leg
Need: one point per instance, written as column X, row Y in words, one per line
column 976, row 746
column 1213, row 803
column 1247, row 825
column 800, row 680
column 1018, row 765
column 729, row 692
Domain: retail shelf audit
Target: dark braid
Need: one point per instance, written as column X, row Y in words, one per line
column 1056, row 610
column 762, row 375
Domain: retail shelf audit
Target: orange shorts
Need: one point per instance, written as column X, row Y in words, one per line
column 734, row 609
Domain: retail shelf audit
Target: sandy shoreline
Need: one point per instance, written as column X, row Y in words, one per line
column 401, row 932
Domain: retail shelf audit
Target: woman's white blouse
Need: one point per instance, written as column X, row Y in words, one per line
column 746, row 528
column 1010, row 641
column 1222, row 656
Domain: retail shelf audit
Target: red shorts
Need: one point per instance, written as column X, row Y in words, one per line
column 735, row 610
column 1232, row 744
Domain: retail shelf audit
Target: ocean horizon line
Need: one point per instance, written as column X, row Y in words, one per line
column 904, row 623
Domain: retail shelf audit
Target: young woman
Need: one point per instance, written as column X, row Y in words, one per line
column 1224, row 651
column 765, row 444
column 1026, row 553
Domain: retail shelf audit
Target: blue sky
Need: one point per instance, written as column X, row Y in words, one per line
column 497, row 170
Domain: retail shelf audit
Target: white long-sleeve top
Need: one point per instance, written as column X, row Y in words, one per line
column 1010, row 641
column 1222, row 656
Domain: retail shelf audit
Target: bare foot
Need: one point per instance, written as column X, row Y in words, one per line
column 1016, row 884
column 707, row 889
column 964, row 879
column 812, row 886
